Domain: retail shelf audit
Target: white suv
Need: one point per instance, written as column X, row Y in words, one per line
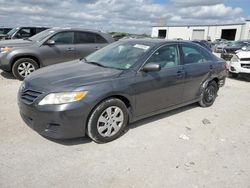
column 240, row 64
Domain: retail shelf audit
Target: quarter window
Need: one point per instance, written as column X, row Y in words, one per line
column 166, row 57
column 86, row 37
column 63, row 38
column 194, row 55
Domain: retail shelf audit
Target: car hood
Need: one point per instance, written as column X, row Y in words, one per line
column 15, row 43
column 69, row 75
column 243, row 54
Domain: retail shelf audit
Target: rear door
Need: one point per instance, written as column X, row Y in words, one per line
column 159, row 90
column 87, row 42
column 62, row 50
column 198, row 66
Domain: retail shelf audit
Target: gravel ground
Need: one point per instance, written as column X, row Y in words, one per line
column 188, row 147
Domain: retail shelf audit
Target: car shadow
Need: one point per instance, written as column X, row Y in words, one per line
column 86, row 139
column 244, row 78
column 7, row 75
column 71, row 142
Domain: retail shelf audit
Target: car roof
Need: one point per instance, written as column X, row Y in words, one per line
column 152, row 41
column 74, row 29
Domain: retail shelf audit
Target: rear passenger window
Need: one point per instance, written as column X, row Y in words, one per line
column 86, row 37
column 194, row 55
column 166, row 56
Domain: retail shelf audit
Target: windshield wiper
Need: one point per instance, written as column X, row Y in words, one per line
column 95, row 63
column 27, row 38
column 99, row 64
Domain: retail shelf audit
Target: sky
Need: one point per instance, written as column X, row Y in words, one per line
column 134, row 16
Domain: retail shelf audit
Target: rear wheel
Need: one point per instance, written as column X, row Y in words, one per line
column 209, row 94
column 24, row 67
column 107, row 121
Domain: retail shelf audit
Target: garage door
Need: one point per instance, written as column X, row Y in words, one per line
column 198, row 34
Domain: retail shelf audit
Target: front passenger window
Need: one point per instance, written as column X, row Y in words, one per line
column 166, row 57
column 63, row 38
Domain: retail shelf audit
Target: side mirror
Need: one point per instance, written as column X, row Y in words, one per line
column 151, row 67
column 244, row 48
column 50, row 42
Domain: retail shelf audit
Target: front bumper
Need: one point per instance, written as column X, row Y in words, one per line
column 239, row 67
column 55, row 121
column 4, row 62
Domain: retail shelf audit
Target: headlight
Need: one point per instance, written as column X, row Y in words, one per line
column 5, row 49
column 62, row 98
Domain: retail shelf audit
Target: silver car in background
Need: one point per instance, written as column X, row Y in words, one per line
column 52, row 46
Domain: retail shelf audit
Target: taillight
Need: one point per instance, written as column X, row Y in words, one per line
column 226, row 66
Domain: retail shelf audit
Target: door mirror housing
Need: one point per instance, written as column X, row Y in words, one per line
column 244, row 48
column 151, row 67
column 50, row 42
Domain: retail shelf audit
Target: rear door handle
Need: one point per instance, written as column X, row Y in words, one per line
column 97, row 48
column 211, row 67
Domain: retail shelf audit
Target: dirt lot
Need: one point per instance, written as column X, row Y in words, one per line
column 150, row 154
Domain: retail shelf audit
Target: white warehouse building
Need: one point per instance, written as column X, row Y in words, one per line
column 237, row 31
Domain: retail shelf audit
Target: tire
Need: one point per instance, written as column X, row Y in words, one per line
column 233, row 75
column 102, row 122
column 23, row 67
column 209, row 94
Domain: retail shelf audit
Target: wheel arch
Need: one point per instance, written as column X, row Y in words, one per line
column 123, row 98
column 33, row 57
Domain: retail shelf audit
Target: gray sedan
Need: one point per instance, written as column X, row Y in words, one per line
column 24, row 56
column 121, row 83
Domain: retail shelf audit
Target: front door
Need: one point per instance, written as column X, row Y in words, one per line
column 162, row 89
column 62, row 50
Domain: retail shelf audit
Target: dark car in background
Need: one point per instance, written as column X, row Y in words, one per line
column 23, row 32
column 24, row 56
column 231, row 48
column 4, row 31
column 204, row 43
column 119, row 84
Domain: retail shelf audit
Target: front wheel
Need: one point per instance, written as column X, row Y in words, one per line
column 24, row 67
column 107, row 121
column 209, row 94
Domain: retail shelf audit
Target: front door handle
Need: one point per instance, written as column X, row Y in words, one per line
column 179, row 73
column 70, row 49
column 97, row 48
column 211, row 67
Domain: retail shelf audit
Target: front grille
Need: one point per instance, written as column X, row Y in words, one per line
column 29, row 96
column 247, row 66
column 245, row 59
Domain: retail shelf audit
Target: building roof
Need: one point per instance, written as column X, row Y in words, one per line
column 203, row 25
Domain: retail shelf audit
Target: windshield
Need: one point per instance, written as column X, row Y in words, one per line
column 42, row 35
column 119, row 55
column 248, row 48
column 236, row 44
column 12, row 31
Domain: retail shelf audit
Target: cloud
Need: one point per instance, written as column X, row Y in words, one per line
column 194, row 3
column 114, row 15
